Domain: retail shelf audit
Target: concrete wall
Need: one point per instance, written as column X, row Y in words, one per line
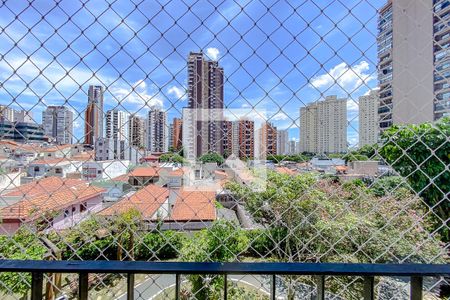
column 413, row 61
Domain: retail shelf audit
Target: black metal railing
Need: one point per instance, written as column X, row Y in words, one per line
column 416, row 272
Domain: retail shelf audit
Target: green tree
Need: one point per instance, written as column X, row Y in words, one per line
column 420, row 153
column 223, row 242
column 24, row 244
column 212, row 157
column 171, row 157
column 310, row 219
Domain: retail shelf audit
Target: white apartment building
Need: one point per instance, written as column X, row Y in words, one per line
column 323, row 126
column 158, row 131
column 283, row 142
column 117, row 125
column 57, row 122
column 368, row 119
column 115, row 149
column 6, row 113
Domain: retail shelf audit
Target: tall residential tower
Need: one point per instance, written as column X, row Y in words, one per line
column 57, row 122
column 202, row 119
column 93, row 129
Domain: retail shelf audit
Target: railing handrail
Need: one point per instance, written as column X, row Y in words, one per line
column 269, row 268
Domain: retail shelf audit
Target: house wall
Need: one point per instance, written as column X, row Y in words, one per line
column 75, row 216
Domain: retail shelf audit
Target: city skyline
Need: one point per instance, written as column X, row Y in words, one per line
column 163, row 84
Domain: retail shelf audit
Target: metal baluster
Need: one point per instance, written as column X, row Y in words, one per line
column 273, row 287
column 416, row 288
column 369, row 288
column 320, row 283
column 177, row 286
column 130, row 286
column 83, row 286
column 37, row 280
column 225, row 287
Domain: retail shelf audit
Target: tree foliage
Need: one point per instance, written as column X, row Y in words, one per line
column 212, row 157
column 223, row 242
column 420, row 153
column 171, row 157
column 24, row 244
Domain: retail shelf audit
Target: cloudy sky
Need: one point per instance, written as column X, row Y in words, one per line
column 277, row 55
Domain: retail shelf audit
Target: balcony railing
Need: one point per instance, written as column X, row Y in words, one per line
column 320, row 271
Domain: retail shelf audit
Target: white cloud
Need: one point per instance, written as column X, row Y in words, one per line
column 138, row 94
column 177, row 92
column 348, row 78
column 213, row 53
column 77, row 123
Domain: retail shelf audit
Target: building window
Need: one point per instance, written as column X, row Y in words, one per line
column 83, row 207
column 58, row 171
column 66, row 213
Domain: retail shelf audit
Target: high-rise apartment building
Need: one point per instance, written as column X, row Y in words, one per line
column 202, row 120
column 117, row 125
column 323, row 126
column 57, row 122
column 283, row 142
column 406, row 51
column 268, row 139
column 177, row 134
column 93, row 119
column 23, row 116
column 441, row 32
column 137, row 131
column 368, row 119
column 157, row 131
column 246, row 139
column 6, row 113
column 294, row 147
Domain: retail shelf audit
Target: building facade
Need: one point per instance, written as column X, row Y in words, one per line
column 246, row 139
column 323, row 126
column 137, row 131
column 177, row 134
column 368, row 119
column 205, row 102
column 57, row 122
column 268, row 139
column 117, row 125
column 93, row 119
column 23, row 116
column 441, row 32
column 6, row 113
column 283, row 142
column 406, row 50
column 157, row 130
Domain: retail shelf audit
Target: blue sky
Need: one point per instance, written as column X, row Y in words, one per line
column 277, row 55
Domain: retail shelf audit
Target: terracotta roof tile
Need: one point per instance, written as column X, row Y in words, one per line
column 194, row 206
column 145, row 172
column 34, row 207
column 147, row 201
column 284, row 170
column 44, row 186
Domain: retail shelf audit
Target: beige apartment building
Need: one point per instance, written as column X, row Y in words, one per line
column 323, row 126
column 368, row 119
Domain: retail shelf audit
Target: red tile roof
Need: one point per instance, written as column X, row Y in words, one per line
column 146, row 201
column 44, row 186
column 194, row 206
column 145, row 172
column 32, row 208
column 56, row 148
column 121, row 178
column 50, row 161
column 284, row 170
